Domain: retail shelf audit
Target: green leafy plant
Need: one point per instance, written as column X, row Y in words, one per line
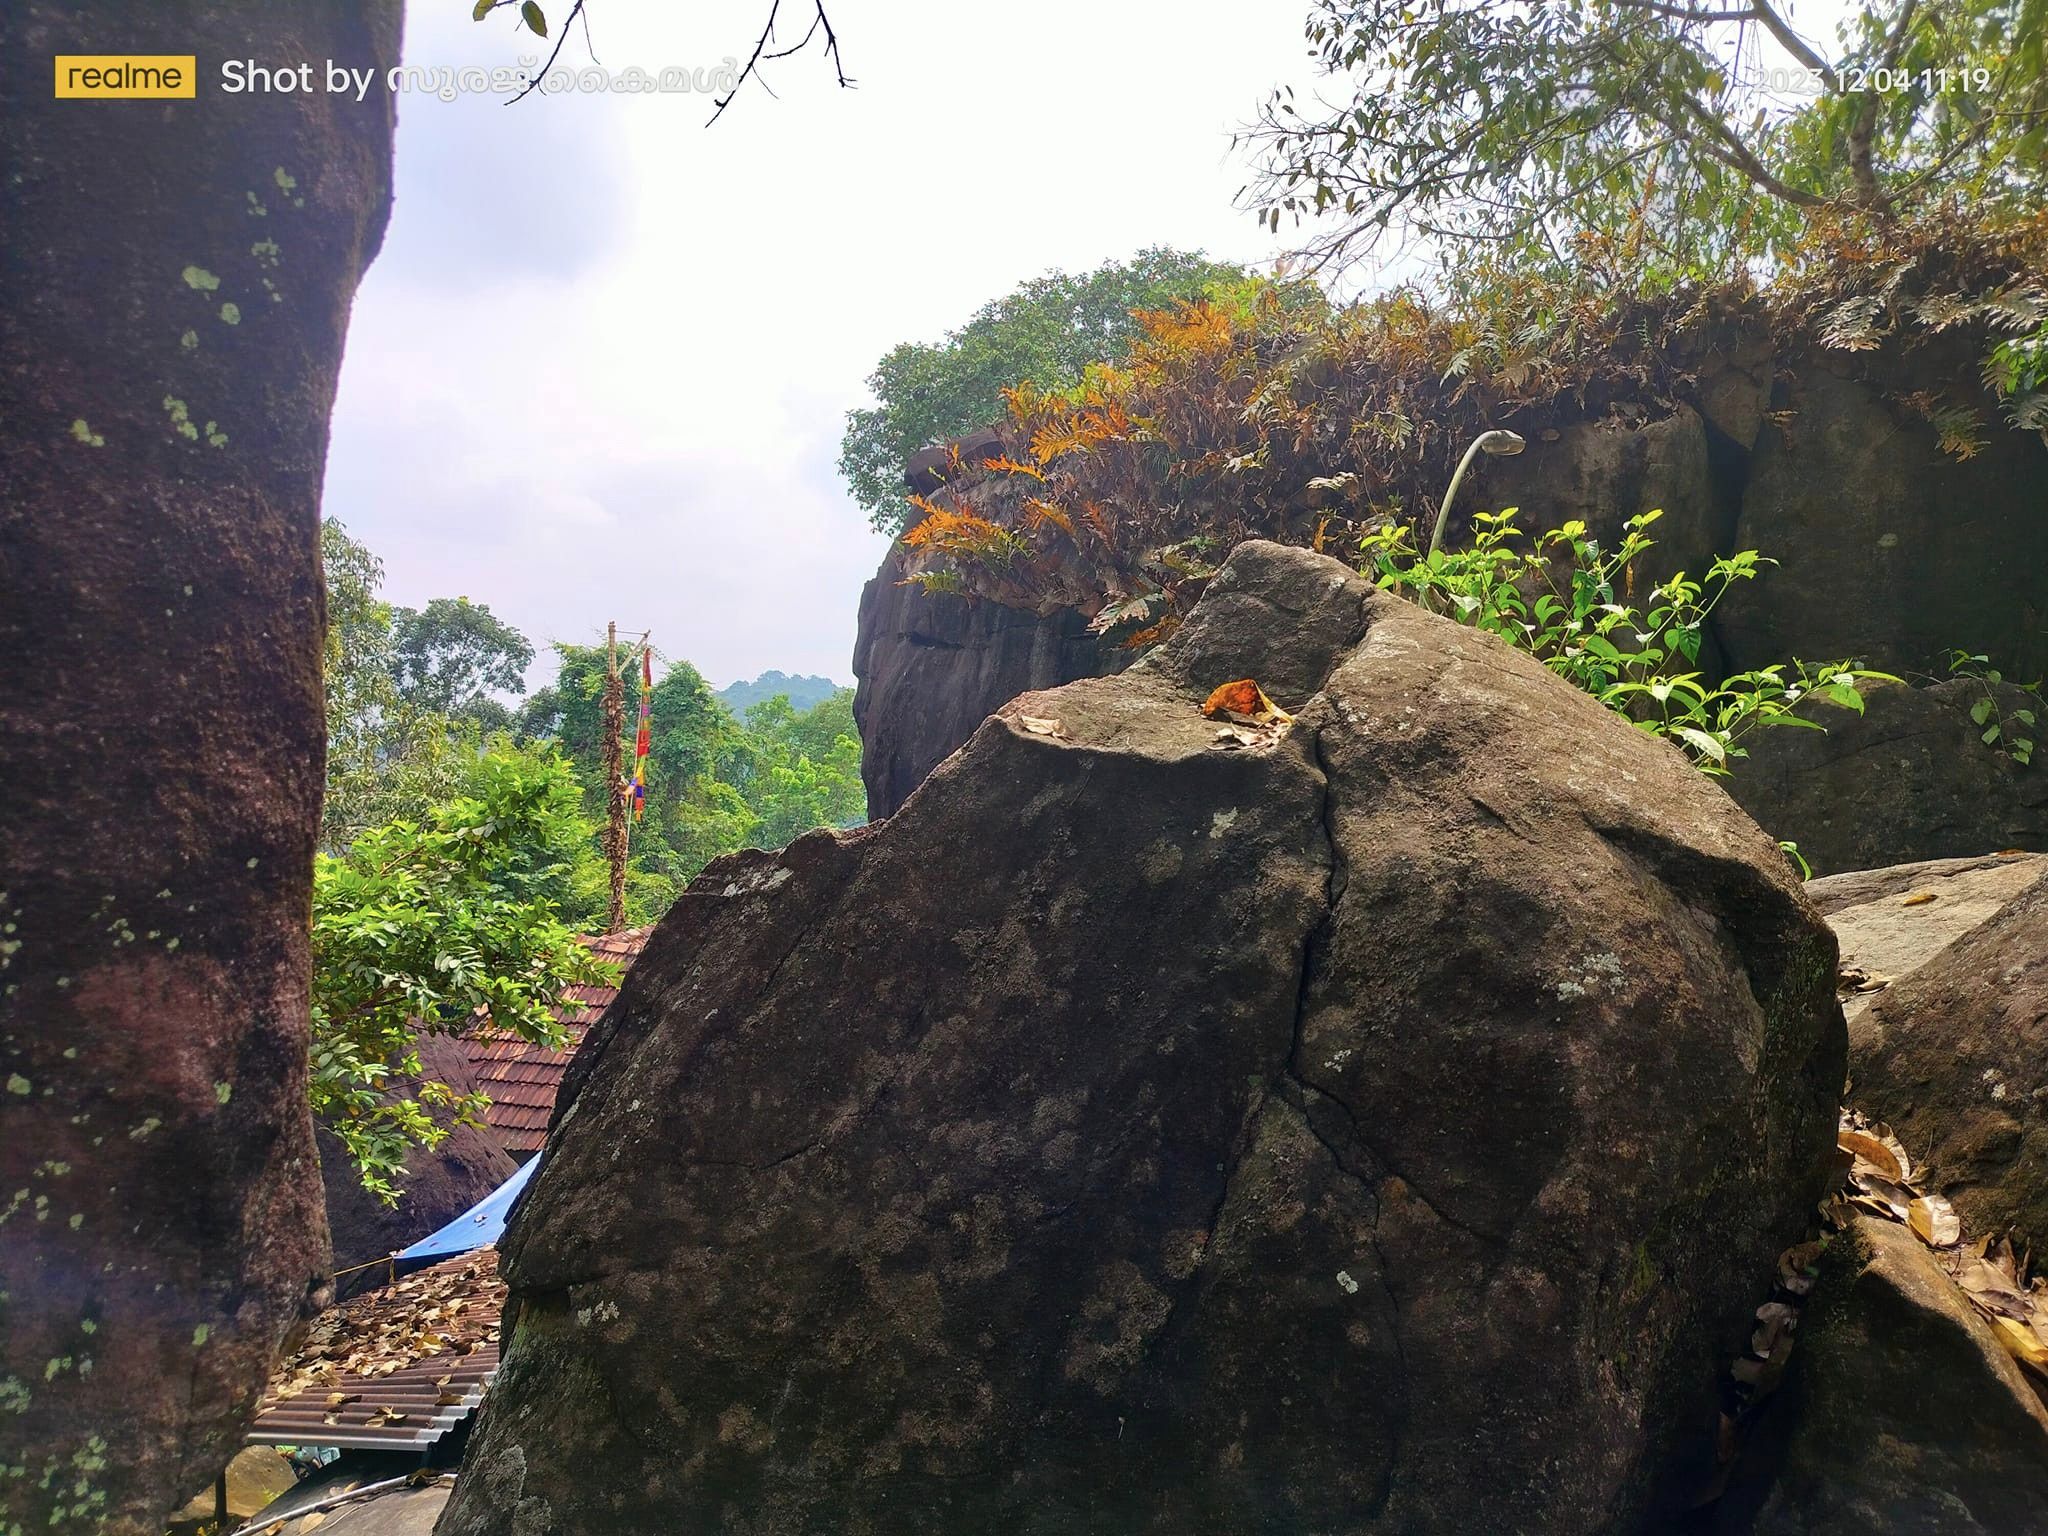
column 1698, row 140
column 417, row 927
column 2010, row 731
column 1560, row 597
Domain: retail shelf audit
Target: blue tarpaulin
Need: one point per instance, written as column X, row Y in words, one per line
column 478, row 1227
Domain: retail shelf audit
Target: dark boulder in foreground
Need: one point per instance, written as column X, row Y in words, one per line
column 1390, row 1126
column 1901, row 1415
column 1955, row 1057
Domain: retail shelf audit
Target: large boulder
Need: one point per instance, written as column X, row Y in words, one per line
column 1954, row 1057
column 1891, row 921
column 1383, row 1125
column 440, row 1182
column 168, row 362
column 931, row 666
column 1901, row 1414
column 1887, row 547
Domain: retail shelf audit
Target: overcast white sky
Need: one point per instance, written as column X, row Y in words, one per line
column 601, row 367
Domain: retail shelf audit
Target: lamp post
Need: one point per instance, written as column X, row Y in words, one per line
column 1499, row 443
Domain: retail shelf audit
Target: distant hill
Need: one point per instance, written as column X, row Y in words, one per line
column 803, row 691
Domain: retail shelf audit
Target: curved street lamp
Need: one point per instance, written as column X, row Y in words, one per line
column 1499, row 443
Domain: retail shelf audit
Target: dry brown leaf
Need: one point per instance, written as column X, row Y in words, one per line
column 1916, row 898
column 1985, row 1287
column 1727, row 1439
column 1934, row 1222
column 1890, row 1197
column 1246, row 701
column 2026, row 1345
column 1798, row 1261
column 1866, row 1148
column 343, row 1399
column 1774, row 1320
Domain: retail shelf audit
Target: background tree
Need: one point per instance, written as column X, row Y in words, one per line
column 418, row 925
column 802, row 769
column 408, row 700
column 715, row 783
column 1046, row 331
column 1690, row 137
column 692, row 733
column 452, row 656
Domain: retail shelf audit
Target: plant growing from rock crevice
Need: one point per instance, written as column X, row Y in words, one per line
column 1560, row 597
column 2011, row 731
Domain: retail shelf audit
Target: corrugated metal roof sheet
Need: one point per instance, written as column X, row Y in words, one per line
column 392, row 1370
column 521, row 1079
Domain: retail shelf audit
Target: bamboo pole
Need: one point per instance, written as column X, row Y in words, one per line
column 614, row 726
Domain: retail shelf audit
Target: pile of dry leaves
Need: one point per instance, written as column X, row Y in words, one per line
column 1875, row 1175
column 1878, row 1178
column 452, row 1309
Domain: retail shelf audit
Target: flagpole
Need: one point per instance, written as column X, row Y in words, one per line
column 613, row 716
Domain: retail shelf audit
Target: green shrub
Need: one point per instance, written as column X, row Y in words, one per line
column 1559, row 597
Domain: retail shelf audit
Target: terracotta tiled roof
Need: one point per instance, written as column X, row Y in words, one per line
column 394, row 1369
column 521, row 1079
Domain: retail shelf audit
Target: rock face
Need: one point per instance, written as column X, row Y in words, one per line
column 1381, row 1128
column 1901, row 1414
column 1887, row 549
column 1955, row 1057
column 1603, row 473
column 932, row 666
column 167, row 365
column 440, row 1183
column 1906, row 781
column 1892, row 921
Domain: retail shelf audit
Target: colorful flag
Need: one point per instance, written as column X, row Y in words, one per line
column 643, row 741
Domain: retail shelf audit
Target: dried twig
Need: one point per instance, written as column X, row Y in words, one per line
column 761, row 55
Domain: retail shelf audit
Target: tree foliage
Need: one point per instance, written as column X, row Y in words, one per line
column 1692, row 136
column 452, row 657
column 410, row 694
column 715, row 783
column 1563, row 599
column 418, row 926
column 1046, row 331
column 803, row 768
column 460, row 859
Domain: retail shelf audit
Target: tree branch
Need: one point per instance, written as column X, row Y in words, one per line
column 1863, row 128
column 760, row 55
column 561, row 37
column 1722, row 145
column 1793, row 43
